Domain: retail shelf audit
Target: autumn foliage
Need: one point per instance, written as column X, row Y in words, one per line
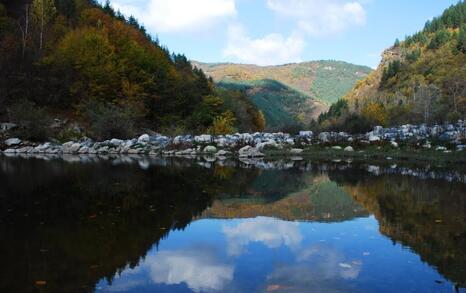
column 89, row 63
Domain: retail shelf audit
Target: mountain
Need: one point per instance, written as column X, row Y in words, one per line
column 77, row 68
column 419, row 80
column 283, row 107
column 289, row 94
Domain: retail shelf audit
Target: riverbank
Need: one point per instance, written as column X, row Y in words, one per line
column 445, row 143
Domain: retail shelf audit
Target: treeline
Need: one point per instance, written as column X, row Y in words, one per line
column 81, row 61
column 423, row 81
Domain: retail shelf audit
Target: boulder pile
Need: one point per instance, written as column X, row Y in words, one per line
column 252, row 145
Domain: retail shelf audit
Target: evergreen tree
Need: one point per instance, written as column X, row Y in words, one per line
column 462, row 39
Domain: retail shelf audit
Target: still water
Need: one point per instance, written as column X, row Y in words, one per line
column 150, row 225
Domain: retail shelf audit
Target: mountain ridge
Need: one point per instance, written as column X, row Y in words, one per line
column 310, row 87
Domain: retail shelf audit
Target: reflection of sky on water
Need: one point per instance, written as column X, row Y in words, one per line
column 270, row 255
column 270, row 232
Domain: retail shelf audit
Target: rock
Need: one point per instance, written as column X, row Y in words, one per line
column 373, row 138
column 144, row 138
column 102, row 150
column 394, row 144
column 349, row 149
column 12, row 141
column 9, row 151
column 116, row 142
column 268, row 144
column 290, row 141
column 222, row 153
column 249, row 152
column 323, row 137
column 296, row 151
column 337, row 148
column 75, row 148
column 205, row 138
column 461, row 148
column 441, row 148
column 84, row 150
column 306, row 134
column 24, row 150
column 210, row 149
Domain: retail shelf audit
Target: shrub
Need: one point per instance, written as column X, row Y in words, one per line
column 375, row 113
column 33, row 122
column 109, row 121
column 223, row 124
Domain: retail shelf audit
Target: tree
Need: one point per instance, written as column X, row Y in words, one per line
column 440, row 38
column 456, row 89
column 375, row 113
column 66, row 7
column 425, row 98
column 462, row 39
column 390, row 71
column 43, row 12
column 23, row 23
column 397, row 43
column 223, row 124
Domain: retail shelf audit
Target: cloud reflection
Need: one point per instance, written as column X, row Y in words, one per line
column 271, row 232
column 199, row 269
column 319, row 267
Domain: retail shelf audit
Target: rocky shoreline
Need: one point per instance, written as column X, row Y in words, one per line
column 442, row 138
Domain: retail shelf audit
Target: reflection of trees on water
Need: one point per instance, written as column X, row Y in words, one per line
column 70, row 225
column 429, row 216
column 73, row 224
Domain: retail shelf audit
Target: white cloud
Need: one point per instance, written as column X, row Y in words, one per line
column 271, row 49
column 177, row 15
column 270, row 232
column 320, row 17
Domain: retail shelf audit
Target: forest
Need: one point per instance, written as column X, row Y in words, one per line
column 420, row 80
column 71, row 68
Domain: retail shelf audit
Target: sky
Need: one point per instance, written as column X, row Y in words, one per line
column 274, row 32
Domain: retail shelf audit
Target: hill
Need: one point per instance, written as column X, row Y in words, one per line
column 419, row 80
column 323, row 80
column 305, row 90
column 77, row 68
column 283, row 107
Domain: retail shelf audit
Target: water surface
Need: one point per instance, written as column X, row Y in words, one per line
column 151, row 225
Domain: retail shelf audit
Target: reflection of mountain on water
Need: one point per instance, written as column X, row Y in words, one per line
column 74, row 224
column 309, row 198
column 429, row 216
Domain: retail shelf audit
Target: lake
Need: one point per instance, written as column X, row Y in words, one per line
column 137, row 224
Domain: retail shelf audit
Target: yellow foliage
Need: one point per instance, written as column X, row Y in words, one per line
column 259, row 121
column 375, row 113
column 223, row 124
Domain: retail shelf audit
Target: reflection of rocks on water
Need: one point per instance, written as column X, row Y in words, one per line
column 208, row 162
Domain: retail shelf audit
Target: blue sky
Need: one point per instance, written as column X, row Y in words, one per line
column 272, row 32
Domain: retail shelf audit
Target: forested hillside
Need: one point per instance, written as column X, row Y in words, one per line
column 420, row 80
column 74, row 62
column 291, row 94
column 284, row 108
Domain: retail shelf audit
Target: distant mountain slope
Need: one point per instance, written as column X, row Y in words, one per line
column 324, row 80
column 421, row 79
column 283, row 107
column 292, row 94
